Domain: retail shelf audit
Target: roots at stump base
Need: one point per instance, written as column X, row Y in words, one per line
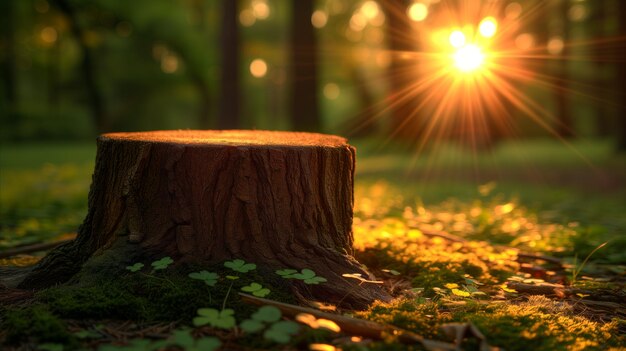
column 281, row 199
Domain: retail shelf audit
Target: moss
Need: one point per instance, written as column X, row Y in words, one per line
column 419, row 317
column 158, row 296
column 539, row 324
column 35, row 323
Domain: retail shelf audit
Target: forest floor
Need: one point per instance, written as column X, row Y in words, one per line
column 520, row 247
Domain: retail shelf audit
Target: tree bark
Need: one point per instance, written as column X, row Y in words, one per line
column 279, row 199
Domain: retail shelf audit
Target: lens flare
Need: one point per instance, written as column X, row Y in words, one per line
column 488, row 27
column 457, row 39
column 468, row 58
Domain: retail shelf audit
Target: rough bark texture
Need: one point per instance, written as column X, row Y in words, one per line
column 274, row 198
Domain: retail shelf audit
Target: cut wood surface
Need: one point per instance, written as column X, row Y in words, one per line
column 280, row 199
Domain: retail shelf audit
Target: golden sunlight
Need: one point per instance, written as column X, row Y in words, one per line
column 468, row 58
column 488, row 27
column 457, row 39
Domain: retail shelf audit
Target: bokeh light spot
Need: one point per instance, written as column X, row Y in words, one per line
column 488, row 27
column 418, row 12
column 331, row 91
column 258, row 68
column 457, row 39
column 319, row 19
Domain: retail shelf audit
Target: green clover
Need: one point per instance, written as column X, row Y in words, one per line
column 219, row 319
column 240, row 266
column 162, row 263
column 260, row 318
column 256, row 289
column 281, row 332
column 308, row 276
column 136, row 267
column 185, row 340
column 286, row 273
column 209, row 278
column 268, row 314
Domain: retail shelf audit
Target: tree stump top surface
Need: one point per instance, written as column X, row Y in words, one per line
column 231, row 138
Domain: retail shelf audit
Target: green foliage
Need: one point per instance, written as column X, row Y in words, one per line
column 281, row 332
column 135, row 267
column 240, row 266
column 256, row 289
column 260, row 319
column 209, row 278
column 306, row 275
column 184, row 339
column 219, row 319
column 163, row 263
column 35, row 323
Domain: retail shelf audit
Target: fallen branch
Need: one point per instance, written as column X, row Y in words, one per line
column 372, row 330
column 31, row 248
column 558, row 290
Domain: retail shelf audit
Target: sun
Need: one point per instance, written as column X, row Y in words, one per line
column 468, row 58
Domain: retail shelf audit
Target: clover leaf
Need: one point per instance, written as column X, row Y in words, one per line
column 207, row 344
column 308, row 277
column 286, row 273
column 239, row 265
column 162, row 263
column 260, row 318
column 209, row 278
column 251, row 326
column 182, row 338
column 256, row 289
column 136, row 267
column 268, row 314
column 185, row 340
column 281, row 332
column 219, row 319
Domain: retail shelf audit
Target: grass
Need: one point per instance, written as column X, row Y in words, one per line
column 535, row 196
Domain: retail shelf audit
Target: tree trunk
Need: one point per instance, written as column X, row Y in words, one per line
column 565, row 122
column 304, row 104
column 621, row 81
column 404, row 100
column 279, row 199
column 228, row 116
column 88, row 67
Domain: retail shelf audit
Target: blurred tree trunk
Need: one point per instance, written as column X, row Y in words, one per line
column 405, row 121
column 87, row 66
column 364, row 124
column 7, row 55
column 599, row 81
column 304, row 105
column 565, row 122
column 621, row 79
column 228, row 116
column 198, row 76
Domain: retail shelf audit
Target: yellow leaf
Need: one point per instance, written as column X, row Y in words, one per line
column 452, row 286
column 458, row 292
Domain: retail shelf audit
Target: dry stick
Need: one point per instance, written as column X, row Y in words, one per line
column 351, row 325
column 32, row 248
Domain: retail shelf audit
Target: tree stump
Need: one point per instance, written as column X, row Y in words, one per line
column 279, row 199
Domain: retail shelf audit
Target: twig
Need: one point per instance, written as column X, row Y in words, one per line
column 349, row 325
column 31, row 248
